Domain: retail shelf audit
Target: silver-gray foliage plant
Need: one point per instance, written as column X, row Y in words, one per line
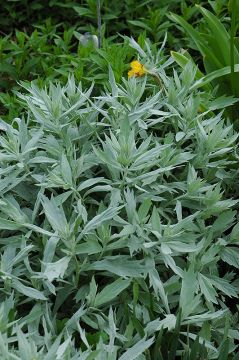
column 116, row 211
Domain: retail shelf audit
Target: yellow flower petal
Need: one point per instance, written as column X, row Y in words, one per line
column 131, row 73
column 142, row 71
column 137, row 69
column 135, row 65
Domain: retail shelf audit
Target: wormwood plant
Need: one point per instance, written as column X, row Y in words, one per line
column 118, row 231
column 50, row 54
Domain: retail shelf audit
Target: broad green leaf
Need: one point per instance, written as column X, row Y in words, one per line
column 188, row 289
column 55, row 216
column 155, row 220
column 89, row 247
column 231, row 256
column 66, row 170
column 136, row 350
column 223, row 285
column 158, row 287
column 119, row 265
column 207, row 289
column 224, row 221
column 90, row 182
column 169, row 322
column 220, row 35
column 9, row 225
column 99, row 219
column 57, row 269
column 111, row 291
column 28, row 291
column 198, row 39
column 213, row 75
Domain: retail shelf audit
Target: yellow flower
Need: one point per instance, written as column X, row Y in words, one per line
column 137, row 69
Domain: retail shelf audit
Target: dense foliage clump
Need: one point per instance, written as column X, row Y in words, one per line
column 118, row 195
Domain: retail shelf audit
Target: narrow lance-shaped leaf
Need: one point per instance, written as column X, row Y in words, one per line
column 111, row 291
column 137, row 349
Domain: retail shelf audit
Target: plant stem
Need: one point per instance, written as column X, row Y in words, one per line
column 77, row 269
column 99, row 23
column 158, row 80
column 232, row 58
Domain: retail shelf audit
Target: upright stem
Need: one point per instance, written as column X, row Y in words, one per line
column 232, row 58
column 99, row 23
column 77, row 269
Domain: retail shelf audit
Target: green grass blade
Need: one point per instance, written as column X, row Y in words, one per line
column 199, row 41
column 214, row 75
column 195, row 35
column 195, row 349
column 220, row 35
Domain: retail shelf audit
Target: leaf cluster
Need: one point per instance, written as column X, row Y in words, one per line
column 118, row 221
